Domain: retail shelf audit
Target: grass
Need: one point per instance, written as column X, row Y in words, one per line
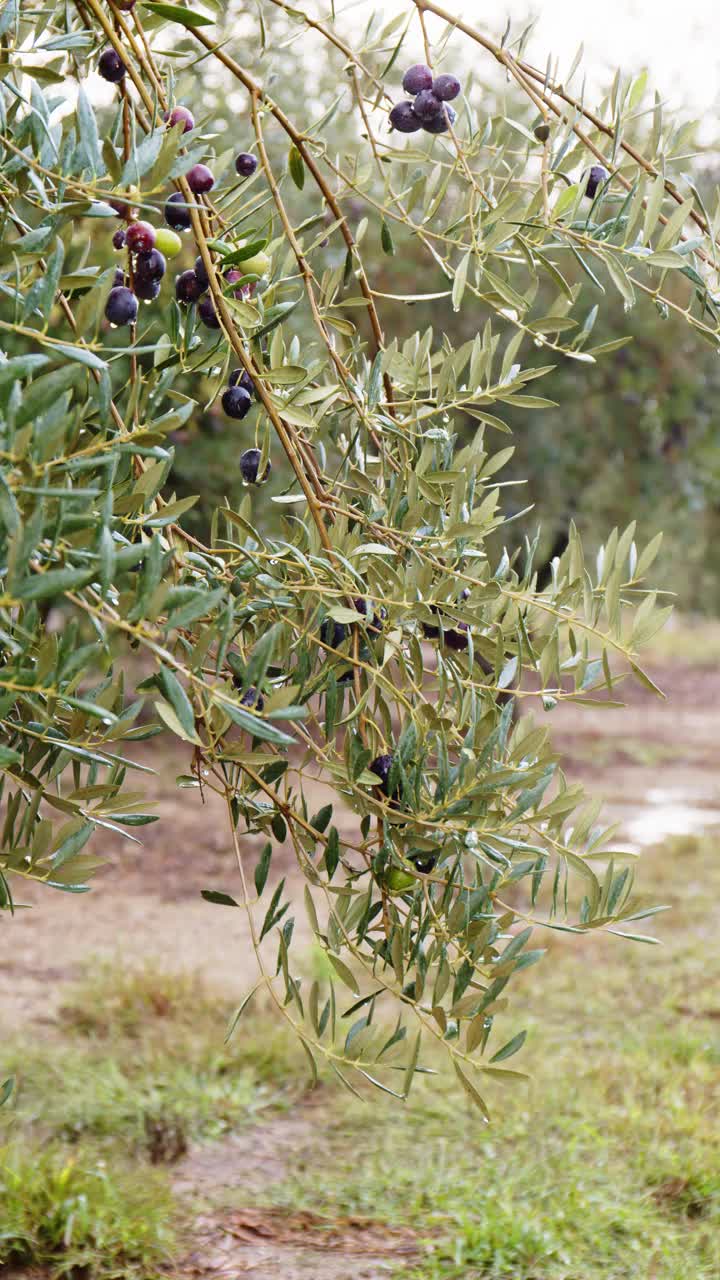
column 144, row 1051
column 605, row 1166
column 76, row 1213
column 690, row 639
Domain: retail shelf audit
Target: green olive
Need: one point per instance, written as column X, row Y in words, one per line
column 399, row 881
column 167, row 242
column 258, row 265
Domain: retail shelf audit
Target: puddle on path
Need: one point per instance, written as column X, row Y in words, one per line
column 667, row 813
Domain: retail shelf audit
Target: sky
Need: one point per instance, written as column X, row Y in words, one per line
column 676, row 42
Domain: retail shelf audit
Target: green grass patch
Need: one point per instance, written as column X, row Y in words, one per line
column 606, row 1165
column 71, row 1213
column 142, row 1062
column 139, row 1070
column 112, row 1002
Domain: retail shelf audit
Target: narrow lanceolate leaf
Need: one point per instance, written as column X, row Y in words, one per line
column 375, row 383
column 654, row 205
column 262, row 868
column 6, row 1090
column 332, row 852
column 142, row 158
column 311, row 912
column 72, row 845
column 81, row 354
column 9, row 510
column 460, row 281
column 255, row 725
column 510, row 1048
column 169, row 716
column 179, row 700
column 53, row 583
column 675, row 223
column 88, row 131
column 240, row 1011
column 345, row 974
column 178, row 13
column 471, row 1091
column 274, row 912
column 386, row 240
column 9, row 16
column 42, row 294
column 19, row 367
column 412, row 1066
column 218, row 897
column 296, row 167
column 620, row 279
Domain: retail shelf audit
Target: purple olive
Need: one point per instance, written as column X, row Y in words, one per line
column 180, row 115
column 121, row 306
column 187, row 288
column 381, row 766
column 111, row 66
column 250, row 462
column 236, row 402
column 252, row 698
column 441, row 123
column 150, row 266
column 427, row 107
column 417, row 78
column 446, row 88
column 245, row 164
column 200, row 179
column 201, row 274
column 145, row 289
column 208, row 314
column 241, row 378
column 140, row 237
column 596, row 177
column 177, row 213
column 403, row 118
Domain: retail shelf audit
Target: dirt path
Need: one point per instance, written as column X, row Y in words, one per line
column 265, row 1242
column 269, row 1244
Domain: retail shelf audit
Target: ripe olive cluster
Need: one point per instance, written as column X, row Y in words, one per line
column 429, row 110
column 148, row 248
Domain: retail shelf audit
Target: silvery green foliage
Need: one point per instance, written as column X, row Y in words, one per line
column 376, row 625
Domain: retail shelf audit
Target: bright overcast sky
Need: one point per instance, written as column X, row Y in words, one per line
column 677, row 42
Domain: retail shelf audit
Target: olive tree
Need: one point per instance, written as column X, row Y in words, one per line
column 345, row 624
